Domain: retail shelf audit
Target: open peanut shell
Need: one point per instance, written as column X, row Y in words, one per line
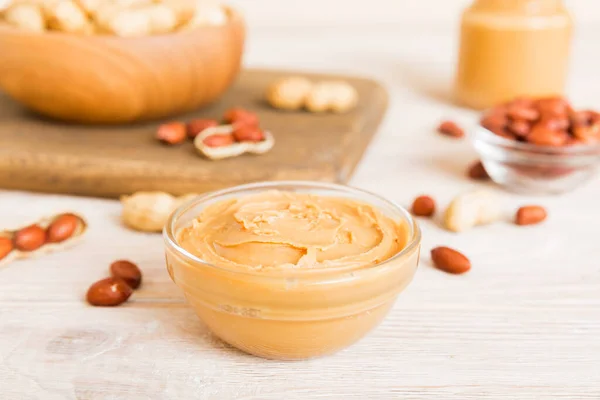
column 47, row 247
column 234, row 149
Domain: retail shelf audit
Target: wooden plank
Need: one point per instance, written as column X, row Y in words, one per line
column 41, row 155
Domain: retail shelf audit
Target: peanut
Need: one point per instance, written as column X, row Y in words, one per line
column 219, row 140
column 542, row 135
column 477, row 171
column 495, row 120
column 423, row 206
column 451, row 129
column 207, row 13
column 530, row 215
column 67, row 16
column 25, row 16
column 472, row 209
column 196, row 126
column 108, row 292
column 519, row 127
column 524, row 113
column 171, row 133
column 552, row 106
column 30, row 238
column 6, row 246
column 128, row 272
column 289, row 93
column 162, row 18
column 450, row 260
column 62, row 228
column 247, row 134
column 335, row 96
column 240, row 116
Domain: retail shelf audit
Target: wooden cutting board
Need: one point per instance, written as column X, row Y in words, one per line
column 38, row 154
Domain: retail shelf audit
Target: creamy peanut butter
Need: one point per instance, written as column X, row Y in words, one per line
column 277, row 229
column 291, row 275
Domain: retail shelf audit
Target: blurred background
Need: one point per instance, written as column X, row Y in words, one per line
column 376, row 14
column 412, row 44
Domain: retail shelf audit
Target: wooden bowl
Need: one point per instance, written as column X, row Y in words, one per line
column 107, row 79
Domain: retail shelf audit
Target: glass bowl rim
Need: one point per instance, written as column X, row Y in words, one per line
column 170, row 240
column 487, row 136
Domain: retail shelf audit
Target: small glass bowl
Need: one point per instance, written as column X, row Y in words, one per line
column 291, row 314
column 528, row 168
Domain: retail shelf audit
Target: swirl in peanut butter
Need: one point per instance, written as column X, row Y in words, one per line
column 277, row 229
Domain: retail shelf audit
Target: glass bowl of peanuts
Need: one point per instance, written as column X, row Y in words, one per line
column 115, row 61
column 539, row 146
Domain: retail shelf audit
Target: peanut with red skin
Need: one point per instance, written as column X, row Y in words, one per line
column 523, row 113
column 30, row 238
column 423, row 206
column 6, row 246
column 530, row 215
column 62, row 228
column 451, row 129
column 477, row 171
column 108, row 292
column 196, row 126
column 248, row 134
column 219, row 140
column 240, row 116
column 171, row 133
column 450, row 260
column 127, row 271
column 519, row 127
column 542, row 135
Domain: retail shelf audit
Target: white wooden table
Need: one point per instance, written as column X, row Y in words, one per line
column 523, row 324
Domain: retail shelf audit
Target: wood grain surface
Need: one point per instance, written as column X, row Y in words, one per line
column 42, row 155
column 108, row 79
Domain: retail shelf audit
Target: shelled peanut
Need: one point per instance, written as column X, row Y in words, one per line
column 48, row 235
column 126, row 18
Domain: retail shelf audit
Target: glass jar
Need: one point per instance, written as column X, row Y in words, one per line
column 512, row 48
column 291, row 314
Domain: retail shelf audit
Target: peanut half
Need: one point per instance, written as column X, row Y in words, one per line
column 471, row 209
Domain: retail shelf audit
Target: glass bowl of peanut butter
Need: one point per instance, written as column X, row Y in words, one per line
column 291, row 270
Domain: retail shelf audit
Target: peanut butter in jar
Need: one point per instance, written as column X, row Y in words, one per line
column 511, row 48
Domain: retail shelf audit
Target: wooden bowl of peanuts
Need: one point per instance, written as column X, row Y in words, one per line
column 118, row 61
